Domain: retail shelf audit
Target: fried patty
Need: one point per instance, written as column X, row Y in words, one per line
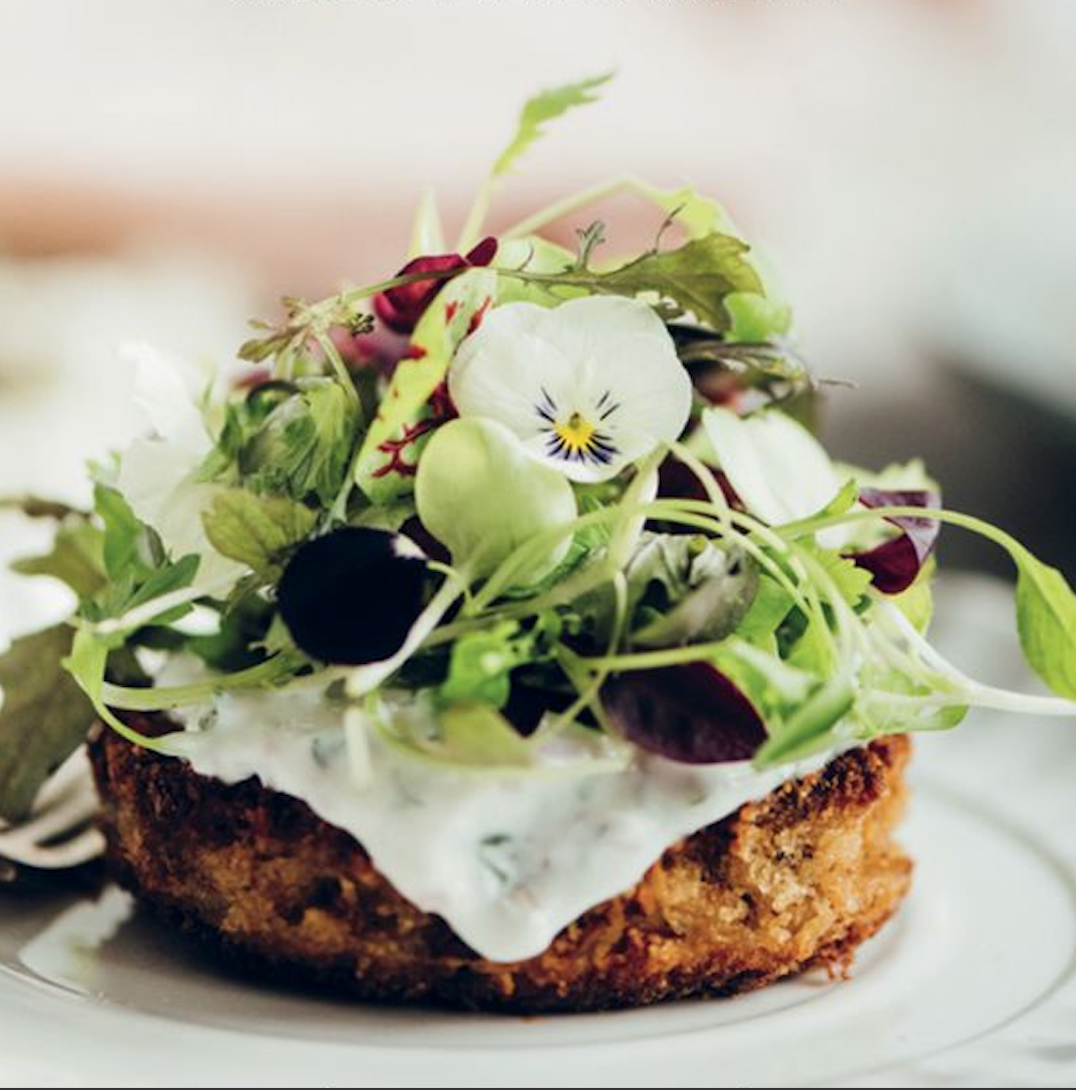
column 795, row 880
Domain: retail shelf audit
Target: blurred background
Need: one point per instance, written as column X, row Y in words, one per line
column 170, row 167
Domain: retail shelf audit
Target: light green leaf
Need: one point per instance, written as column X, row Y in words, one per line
column 389, row 516
column 86, row 664
column 434, row 342
column 756, row 318
column 917, row 602
column 304, row 447
column 756, row 314
column 809, row 727
column 44, row 717
column 1046, row 621
column 130, row 550
column 482, row 495
column 697, row 215
column 851, row 581
column 773, row 686
column 544, row 107
column 882, row 707
column 256, row 530
column 799, row 708
column 694, row 279
column 168, row 578
column 76, row 559
column 427, row 235
column 844, row 501
column 771, row 605
column 537, row 255
column 480, row 668
column 477, row 735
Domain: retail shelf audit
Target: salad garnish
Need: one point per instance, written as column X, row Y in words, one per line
column 515, row 492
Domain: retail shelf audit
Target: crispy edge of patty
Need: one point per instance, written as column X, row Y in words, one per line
column 795, row 880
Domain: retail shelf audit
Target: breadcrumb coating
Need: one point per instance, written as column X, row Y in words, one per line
column 795, row 880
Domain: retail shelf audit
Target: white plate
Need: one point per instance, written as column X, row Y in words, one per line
column 973, row 984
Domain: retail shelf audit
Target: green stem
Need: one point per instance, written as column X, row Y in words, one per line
column 693, row 513
column 343, row 375
column 126, row 698
column 572, row 203
column 364, row 679
column 588, row 693
column 801, row 527
column 143, row 614
column 651, row 660
column 476, row 215
column 355, row 295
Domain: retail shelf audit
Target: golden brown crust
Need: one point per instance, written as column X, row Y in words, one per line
column 797, row 879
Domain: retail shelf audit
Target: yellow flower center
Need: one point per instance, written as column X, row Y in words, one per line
column 577, row 439
column 576, row 434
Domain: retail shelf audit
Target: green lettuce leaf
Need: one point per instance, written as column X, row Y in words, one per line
column 304, row 447
column 767, row 612
column 44, row 717
column 917, row 602
column 131, row 550
column 257, row 530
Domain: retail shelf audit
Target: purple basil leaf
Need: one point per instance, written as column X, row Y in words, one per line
column 894, row 564
column 692, row 713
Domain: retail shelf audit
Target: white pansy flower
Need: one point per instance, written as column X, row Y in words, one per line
column 779, row 470
column 589, row 386
column 157, row 474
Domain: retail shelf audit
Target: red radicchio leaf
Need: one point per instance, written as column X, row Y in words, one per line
column 692, row 713
column 894, row 564
column 400, row 308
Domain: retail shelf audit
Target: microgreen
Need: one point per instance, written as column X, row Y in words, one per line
column 537, row 112
column 514, row 499
column 481, row 495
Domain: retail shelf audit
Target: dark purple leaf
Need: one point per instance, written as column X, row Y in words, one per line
column 894, row 564
column 527, row 706
column 401, row 307
column 678, row 481
column 351, row 596
column 692, row 713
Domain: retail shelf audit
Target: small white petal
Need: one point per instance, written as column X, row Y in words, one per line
column 157, row 479
column 589, row 386
column 166, row 390
column 157, row 475
column 776, row 466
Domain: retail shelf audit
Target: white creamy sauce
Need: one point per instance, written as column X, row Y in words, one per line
column 508, row 860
